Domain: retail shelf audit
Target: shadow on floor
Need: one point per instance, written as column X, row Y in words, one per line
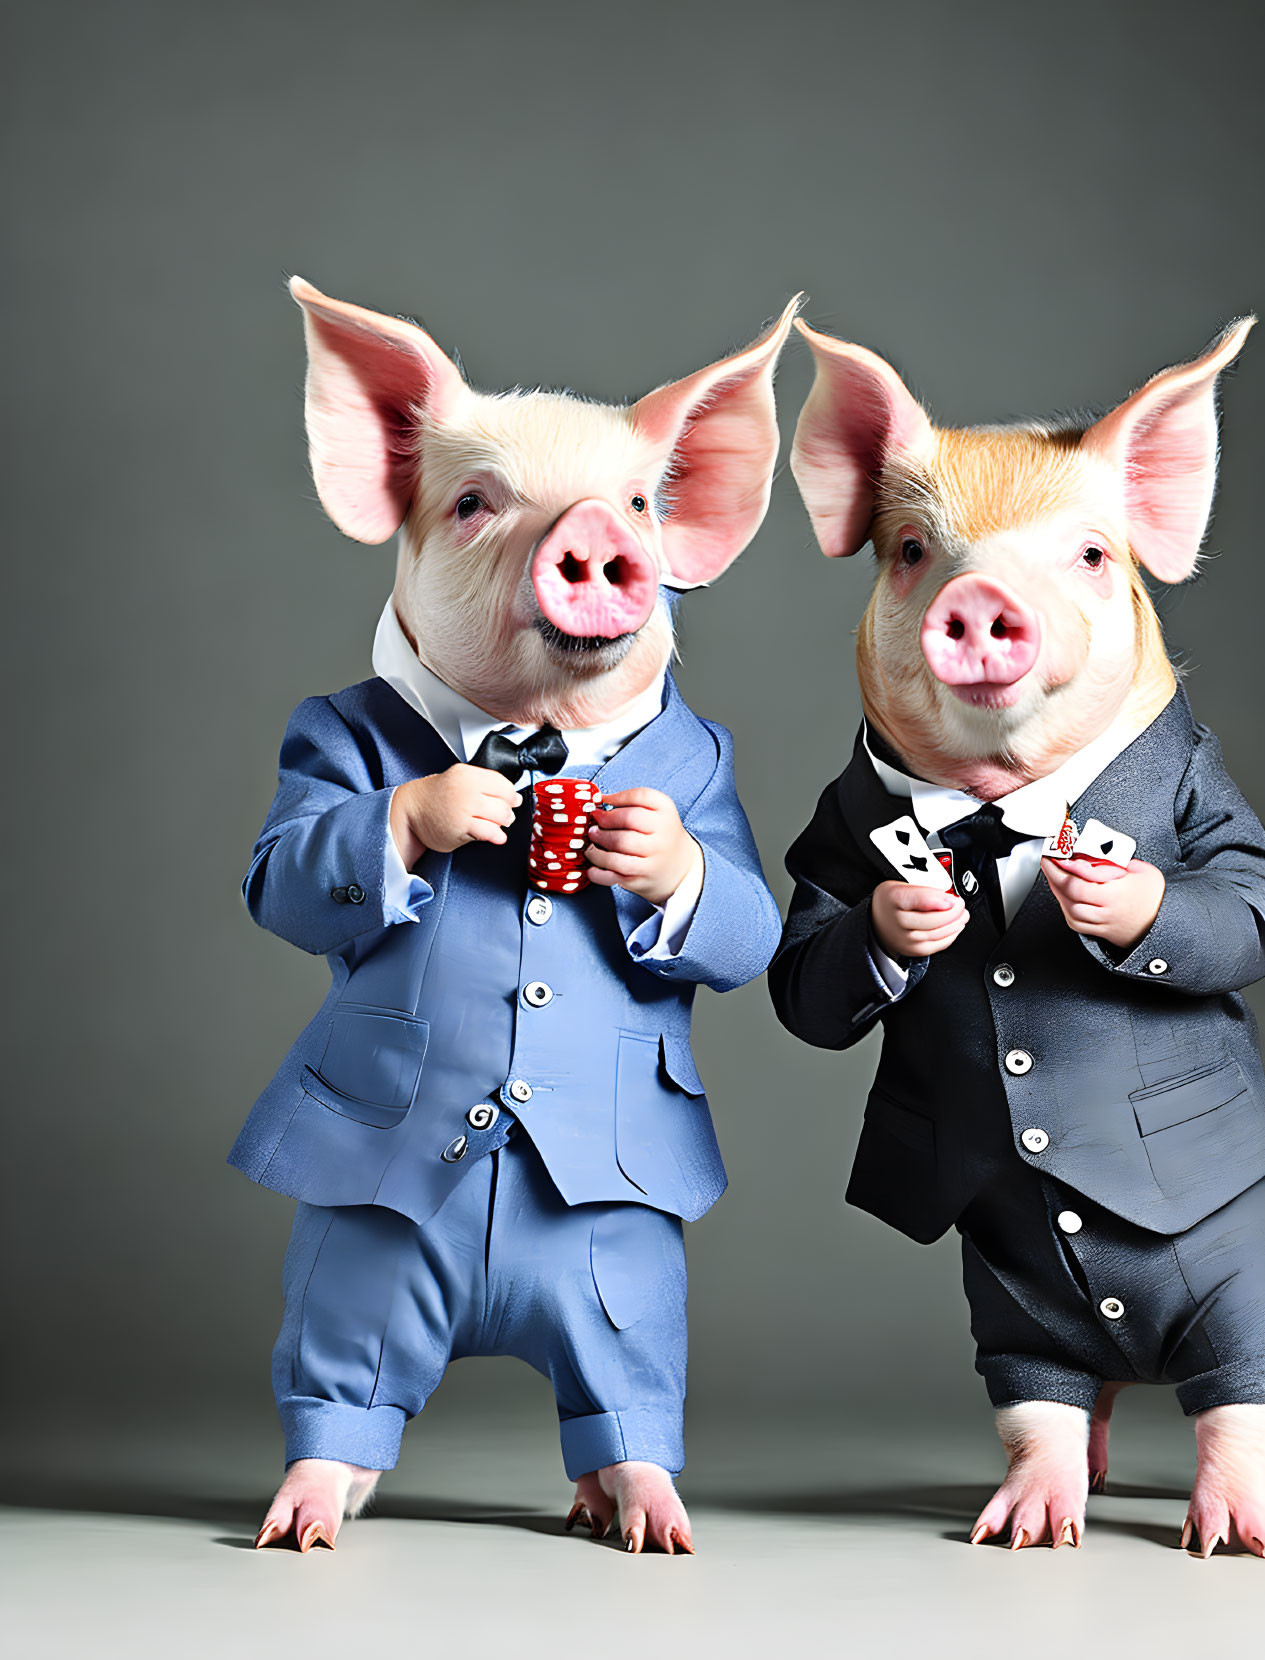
column 957, row 1505
column 119, row 1499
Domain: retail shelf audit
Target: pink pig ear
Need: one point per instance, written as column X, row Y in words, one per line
column 719, row 428
column 1163, row 442
column 368, row 379
column 858, row 416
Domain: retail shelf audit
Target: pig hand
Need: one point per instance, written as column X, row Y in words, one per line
column 1104, row 901
column 640, row 844
column 910, row 921
column 447, row 809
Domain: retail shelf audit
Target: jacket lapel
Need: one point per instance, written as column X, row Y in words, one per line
column 663, row 747
column 1123, row 794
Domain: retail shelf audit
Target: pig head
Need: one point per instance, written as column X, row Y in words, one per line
column 536, row 529
column 1009, row 623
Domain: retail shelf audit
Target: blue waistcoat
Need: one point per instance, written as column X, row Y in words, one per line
column 428, row 1019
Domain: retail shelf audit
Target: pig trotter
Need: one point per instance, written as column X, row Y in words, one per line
column 592, row 1508
column 1099, row 1429
column 641, row 1500
column 1228, row 1503
column 1044, row 1493
column 312, row 1501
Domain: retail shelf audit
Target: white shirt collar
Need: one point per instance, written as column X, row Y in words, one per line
column 1036, row 809
column 463, row 725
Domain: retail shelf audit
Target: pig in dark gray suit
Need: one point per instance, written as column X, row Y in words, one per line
column 1093, row 1122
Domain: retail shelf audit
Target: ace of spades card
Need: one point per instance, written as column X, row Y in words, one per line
column 1099, row 841
column 903, row 846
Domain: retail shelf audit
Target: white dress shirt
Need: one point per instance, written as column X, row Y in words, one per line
column 1038, row 809
column 463, row 726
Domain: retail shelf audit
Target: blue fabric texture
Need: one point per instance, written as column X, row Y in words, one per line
column 427, row 1020
column 376, row 1307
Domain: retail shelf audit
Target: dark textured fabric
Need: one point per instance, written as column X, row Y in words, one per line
column 1145, row 1072
column 1193, row 1305
column 591, row 1296
column 543, row 751
column 977, row 843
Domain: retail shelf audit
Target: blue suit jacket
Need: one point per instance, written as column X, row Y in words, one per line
column 1143, row 1068
column 426, row 1019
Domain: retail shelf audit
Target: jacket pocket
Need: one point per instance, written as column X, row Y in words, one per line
column 677, row 1060
column 374, row 1060
column 1164, row 1106
column 664, row 1141
column 914, row 1129
column 361, row 1112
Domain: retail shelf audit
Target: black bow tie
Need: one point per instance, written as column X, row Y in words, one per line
column 977, row 843
column 543, row 751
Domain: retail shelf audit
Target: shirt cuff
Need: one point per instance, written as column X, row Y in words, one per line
column 662, row 934
column 403, row 893
column 889, row 975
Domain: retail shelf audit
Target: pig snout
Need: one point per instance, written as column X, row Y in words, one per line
column 593, row 579
column 978, row 638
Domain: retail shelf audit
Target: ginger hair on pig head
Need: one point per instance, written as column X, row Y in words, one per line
column 983, row 498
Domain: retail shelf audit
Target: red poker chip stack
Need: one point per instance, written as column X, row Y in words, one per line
column 559, row 833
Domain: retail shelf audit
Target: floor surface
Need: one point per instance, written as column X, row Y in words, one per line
column 815, row 1532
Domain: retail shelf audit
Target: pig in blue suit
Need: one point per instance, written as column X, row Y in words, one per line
column 493, row 1125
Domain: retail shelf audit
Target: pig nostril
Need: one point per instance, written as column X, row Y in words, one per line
column 998, row 629
column 616, row 571
column 957, row 628
column 572, row 569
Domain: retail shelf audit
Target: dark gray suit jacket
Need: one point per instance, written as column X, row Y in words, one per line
column 1145, row 1071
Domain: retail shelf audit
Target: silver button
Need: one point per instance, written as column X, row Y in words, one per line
column 1018, row 1061
column 1069, row 1221
column 1003, row 975
column 537, row 993
column 455, row 1150
column 968, row 881
column 539, row 909
column 1157, row 965
column 520, row 1089
column 483, row 1116
column 1035, row 1140
column 1111, row 1308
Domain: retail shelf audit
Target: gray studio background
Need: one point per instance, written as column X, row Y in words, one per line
column 1027, row 209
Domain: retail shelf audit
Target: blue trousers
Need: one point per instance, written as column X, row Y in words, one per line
column 592, row 1296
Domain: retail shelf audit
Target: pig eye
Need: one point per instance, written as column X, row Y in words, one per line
column 468, row 506
column 1093, row 558
column 911, row 550
column 638, row 504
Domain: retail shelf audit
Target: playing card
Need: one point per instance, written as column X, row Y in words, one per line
column 902, row 844
column 1099, row 841
column 1060, row 846
column 945, row 857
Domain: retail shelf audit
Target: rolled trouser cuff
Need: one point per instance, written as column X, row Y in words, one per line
column 1013, row 1379
column 638, row 1436
column 364, row 1435
column 1240, row 1383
